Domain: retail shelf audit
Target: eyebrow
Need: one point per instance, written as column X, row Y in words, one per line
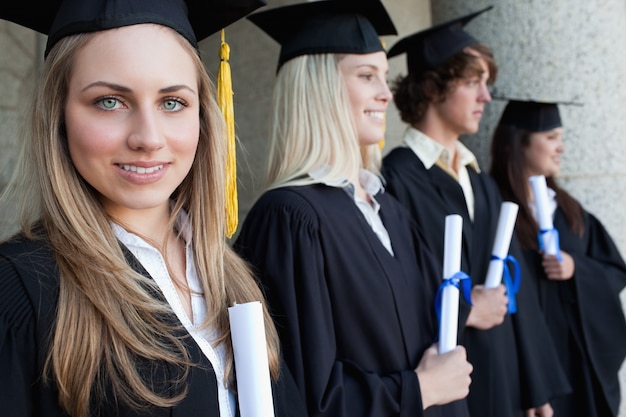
column 123, row 89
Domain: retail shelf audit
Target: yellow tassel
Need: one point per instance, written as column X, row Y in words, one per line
column 225, row 102
column 381, row 144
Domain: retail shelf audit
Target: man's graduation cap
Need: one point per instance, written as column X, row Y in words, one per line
column 194, row 19
column 432, row 47
column 530, row 115
column 326, row 26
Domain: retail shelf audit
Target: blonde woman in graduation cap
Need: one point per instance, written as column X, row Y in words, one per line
column 349, row 280
column 115, row 292
column 578, row 290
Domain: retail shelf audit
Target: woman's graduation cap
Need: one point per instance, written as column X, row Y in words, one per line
column 432, row 47
column 194, row 19
column 326, row 26
column 533, row 115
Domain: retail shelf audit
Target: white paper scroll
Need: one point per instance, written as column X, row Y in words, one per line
column 450, row 298
column 544, row 214
column 251, row 365
column 502, row 242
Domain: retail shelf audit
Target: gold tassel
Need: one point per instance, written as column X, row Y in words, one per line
column 381, row 144
column 225, row 102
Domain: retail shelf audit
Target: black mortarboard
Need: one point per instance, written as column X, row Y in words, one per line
column 326, row 26
column 533, row 116
column 194, row 19
column 432, row 47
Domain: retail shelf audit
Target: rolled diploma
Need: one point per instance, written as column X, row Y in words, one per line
column 251, row 365
column 544, row 217
column 502, row 242
column 450, row 297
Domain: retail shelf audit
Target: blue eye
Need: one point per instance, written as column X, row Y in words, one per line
column 108, row 103
column 173, row 105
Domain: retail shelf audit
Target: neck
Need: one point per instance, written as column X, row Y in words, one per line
column 440, row 133
column 151, row 224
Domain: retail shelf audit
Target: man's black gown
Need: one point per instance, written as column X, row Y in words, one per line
column 354, row 320
column 515, row 364
column 585, row 317
column 28, row 302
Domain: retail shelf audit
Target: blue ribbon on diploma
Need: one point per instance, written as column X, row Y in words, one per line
column 510, row 283
column 459, row 279
column 556, row 234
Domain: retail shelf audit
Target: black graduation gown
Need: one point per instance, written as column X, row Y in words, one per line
column 28, row 301
column 354, row 321
column 514, row 368
column 585, row 317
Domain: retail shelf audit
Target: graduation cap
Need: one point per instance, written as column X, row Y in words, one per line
column 532, row 115
column 326, row 26
column 432, row 47
column 194, row 19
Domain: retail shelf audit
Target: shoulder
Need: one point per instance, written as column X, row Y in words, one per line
column 296, row 202
column 28, row 277
column 399, row 157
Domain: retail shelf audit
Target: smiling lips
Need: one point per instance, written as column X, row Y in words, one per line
column 141, row 175
column 141, row 170
column 377, row 115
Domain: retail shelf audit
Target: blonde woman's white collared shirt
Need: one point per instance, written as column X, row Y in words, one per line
column 153, row 262
column 430, row 152
column 372, row 186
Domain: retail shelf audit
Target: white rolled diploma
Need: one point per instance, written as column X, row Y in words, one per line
column 254, row 390
column 544, row 215
column 502, row 242
column 449, row 320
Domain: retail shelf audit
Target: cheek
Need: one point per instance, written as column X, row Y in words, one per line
column 185, row 137
column 91, row 134
column 86, row 141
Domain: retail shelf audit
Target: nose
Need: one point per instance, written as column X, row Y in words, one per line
column 561, row 146
column 145, row 131
column 385, row 93
column 485, row 95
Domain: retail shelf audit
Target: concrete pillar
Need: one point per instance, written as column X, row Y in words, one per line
column 557, row 50
column 18, row 67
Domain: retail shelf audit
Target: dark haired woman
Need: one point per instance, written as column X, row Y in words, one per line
column 579, row 294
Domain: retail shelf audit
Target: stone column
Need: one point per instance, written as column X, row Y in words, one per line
column 570, row 51
column 20, row 58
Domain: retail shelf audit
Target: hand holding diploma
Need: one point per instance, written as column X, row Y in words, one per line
column 447, row 299
column 443, row 377
column 498, row 266
column 548, row 235
column 251, row 365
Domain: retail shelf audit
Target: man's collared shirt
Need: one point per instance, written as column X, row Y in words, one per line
column 430, row 152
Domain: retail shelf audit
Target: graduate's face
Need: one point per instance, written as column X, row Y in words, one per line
column 462, row 109
column 132, row 116
column 366, row 81
column 543, row 153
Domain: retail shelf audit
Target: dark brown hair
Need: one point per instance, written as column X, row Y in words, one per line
column 414, row 92
column 507, row 169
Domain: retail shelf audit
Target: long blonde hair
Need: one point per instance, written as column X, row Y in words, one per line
column 312, row 123
column 107, row 318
